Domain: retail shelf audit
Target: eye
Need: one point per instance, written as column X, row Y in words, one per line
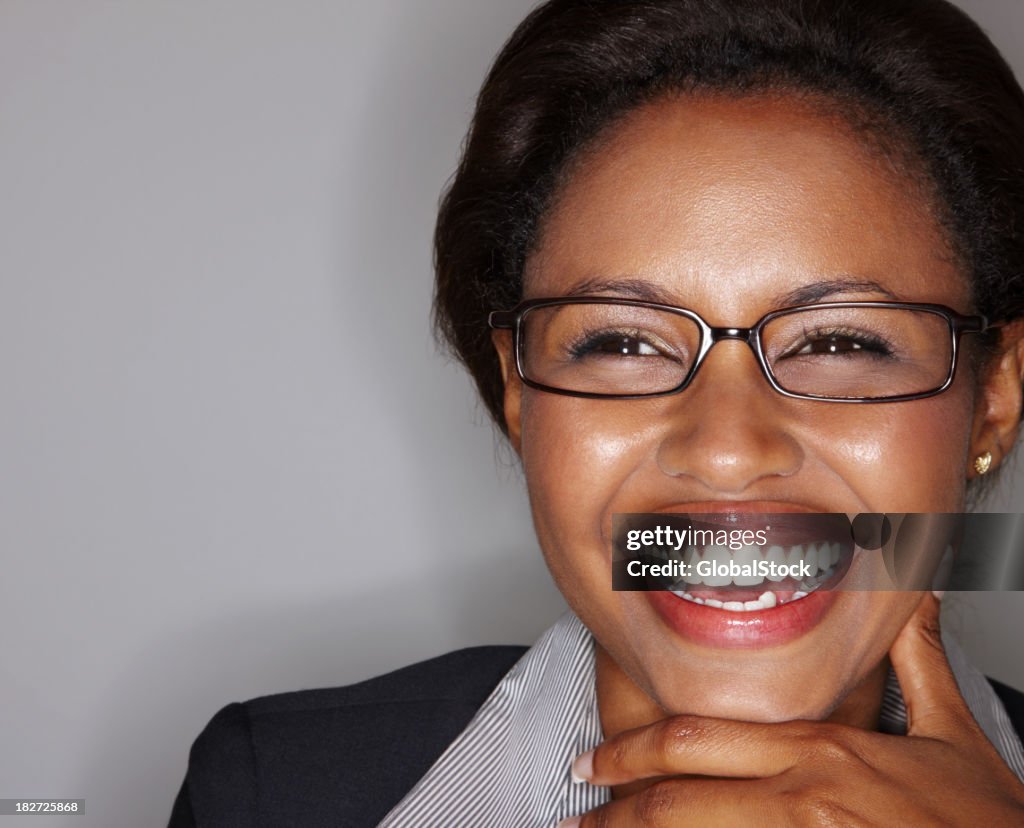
column 614, row 343
column 841, row 343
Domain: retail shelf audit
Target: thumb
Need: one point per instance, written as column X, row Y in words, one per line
column 934, row 705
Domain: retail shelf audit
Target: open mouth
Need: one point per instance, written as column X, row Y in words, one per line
column 794, row 556
column 752, row 578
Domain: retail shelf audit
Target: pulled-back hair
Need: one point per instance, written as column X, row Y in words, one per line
column 920, row 72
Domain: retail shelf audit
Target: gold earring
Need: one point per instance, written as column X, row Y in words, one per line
column 983, row 462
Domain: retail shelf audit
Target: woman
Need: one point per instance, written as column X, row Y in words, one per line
column 645, row 186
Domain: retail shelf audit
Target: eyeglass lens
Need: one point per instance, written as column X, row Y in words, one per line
column 852, row 353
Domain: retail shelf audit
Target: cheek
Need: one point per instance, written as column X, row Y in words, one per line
column 576, row 454
column 877, row 623
column 903, row 457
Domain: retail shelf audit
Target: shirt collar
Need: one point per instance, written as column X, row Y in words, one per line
column 511, row 764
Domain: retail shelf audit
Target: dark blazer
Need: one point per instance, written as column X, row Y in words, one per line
column 345, row 756
column 342, row 756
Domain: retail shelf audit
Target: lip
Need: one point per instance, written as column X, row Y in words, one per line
column 740, row 507
column 787, row 528
column 713, row 627
column 719, row 628
column 719, row 510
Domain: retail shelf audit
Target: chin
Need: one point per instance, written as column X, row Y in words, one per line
column 742, row 705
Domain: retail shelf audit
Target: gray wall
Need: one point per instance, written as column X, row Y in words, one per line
column 233, row 463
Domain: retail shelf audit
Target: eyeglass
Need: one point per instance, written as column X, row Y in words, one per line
column 855, row 352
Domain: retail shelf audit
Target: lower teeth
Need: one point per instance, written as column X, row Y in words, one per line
column 766, row 600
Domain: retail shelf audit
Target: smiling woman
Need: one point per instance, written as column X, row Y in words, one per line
column 736, row 259
column 656, row 199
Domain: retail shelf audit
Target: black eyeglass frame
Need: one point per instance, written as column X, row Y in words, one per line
column 709, row 336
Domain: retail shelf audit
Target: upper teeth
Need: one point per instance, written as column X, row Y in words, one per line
column 816, row 557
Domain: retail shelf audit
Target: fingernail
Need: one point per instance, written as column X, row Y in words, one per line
column 583, row 768
column 571, row 822
column 938, row 593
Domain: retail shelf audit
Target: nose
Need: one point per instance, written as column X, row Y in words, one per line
column 729, row 430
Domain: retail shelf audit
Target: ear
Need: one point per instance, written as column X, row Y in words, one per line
column 998, row 410
column 502, row 340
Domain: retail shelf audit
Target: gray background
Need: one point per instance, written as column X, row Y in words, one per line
column 233, row 463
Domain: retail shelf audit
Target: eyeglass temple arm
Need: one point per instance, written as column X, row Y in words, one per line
column 972, row 324
column 501, row 319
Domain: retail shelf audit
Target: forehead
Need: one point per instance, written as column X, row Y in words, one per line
column 727, row 202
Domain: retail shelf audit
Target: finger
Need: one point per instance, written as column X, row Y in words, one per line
column 934, row 705
column 696, row 745
column 681, row 803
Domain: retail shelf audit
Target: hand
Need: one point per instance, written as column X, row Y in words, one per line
column 723, row 772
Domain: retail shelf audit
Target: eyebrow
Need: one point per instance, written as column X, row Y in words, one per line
column 633, row 288
column 816, row 291
column 804, row 295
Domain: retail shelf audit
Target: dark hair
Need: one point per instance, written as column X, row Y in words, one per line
column 920, row 68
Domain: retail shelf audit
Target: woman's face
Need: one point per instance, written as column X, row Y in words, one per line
column 725, row 206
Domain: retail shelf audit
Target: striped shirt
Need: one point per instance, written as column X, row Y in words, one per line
column 510, row 766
